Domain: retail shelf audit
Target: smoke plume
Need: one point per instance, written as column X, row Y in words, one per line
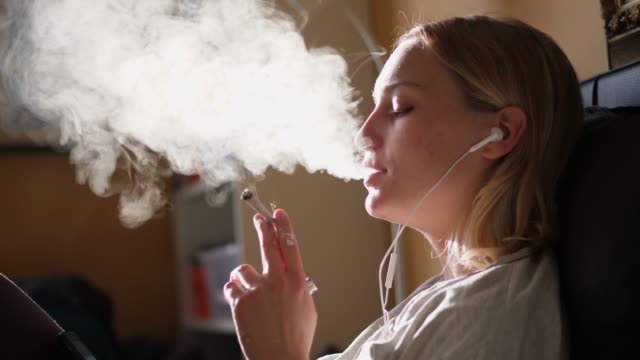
column 138, row 89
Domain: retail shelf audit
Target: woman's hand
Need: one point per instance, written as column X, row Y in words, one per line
column 274, row 314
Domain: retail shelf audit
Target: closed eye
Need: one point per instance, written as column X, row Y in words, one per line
column 401, row 112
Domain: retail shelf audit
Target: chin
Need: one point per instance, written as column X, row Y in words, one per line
column 375, row 206
column 384, row 208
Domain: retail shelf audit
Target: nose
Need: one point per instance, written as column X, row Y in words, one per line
column 368, row 137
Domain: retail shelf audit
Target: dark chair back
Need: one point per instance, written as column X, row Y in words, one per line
column 599, row 213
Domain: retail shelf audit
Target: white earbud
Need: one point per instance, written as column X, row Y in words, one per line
column 496, row 135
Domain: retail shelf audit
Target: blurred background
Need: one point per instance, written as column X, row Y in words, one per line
column 154, row 291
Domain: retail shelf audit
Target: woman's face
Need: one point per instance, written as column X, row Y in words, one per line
column 420, row 125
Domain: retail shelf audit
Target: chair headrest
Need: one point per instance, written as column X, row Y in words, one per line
column 599, row 242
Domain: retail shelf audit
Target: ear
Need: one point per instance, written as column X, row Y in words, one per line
column 513, row 122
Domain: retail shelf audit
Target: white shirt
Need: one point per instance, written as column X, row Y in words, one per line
column 511, row 310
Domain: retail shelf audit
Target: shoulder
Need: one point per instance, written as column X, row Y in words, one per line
column 517, row 276
column 511, row 308
column 513, row 278
column 510, row 293
column 511, row 281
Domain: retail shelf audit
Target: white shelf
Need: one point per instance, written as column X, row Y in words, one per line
column 198, row 225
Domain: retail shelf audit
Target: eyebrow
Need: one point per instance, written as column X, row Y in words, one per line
column 395, row 85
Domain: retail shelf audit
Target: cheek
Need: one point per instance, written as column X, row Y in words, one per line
column 427, row 156
column 421, row 133
column 415, row 165
column 419, row 147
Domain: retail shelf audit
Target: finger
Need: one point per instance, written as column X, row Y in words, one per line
column 247, row 276
column 289, row 243
column 232, row 292
column 271, row 261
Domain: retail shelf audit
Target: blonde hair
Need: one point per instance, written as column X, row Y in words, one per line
column 501, row 62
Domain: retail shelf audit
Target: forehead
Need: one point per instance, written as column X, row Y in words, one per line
column 414, row 63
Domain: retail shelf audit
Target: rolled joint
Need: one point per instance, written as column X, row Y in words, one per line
column 253, row 201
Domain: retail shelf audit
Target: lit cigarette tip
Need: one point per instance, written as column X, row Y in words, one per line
column 254, row 203
column 247, row 194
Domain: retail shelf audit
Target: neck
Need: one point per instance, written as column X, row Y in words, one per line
column 440, row 246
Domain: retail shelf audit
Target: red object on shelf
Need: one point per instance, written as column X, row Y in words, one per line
column 196, row 178
column 199, row 280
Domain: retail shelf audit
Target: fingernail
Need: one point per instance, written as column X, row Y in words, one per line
column 280, row 215
column 258, row 220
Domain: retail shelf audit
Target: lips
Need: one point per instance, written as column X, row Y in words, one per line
column 376, row 172
column 374, row 179
column 372, row 165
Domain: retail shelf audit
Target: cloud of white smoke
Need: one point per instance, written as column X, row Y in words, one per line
column 140, row 88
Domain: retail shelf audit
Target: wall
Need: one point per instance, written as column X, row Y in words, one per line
column 575, row 24
column 394, row 17
column 51, row 224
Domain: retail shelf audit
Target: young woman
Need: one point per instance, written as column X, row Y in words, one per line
column 490, row 219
